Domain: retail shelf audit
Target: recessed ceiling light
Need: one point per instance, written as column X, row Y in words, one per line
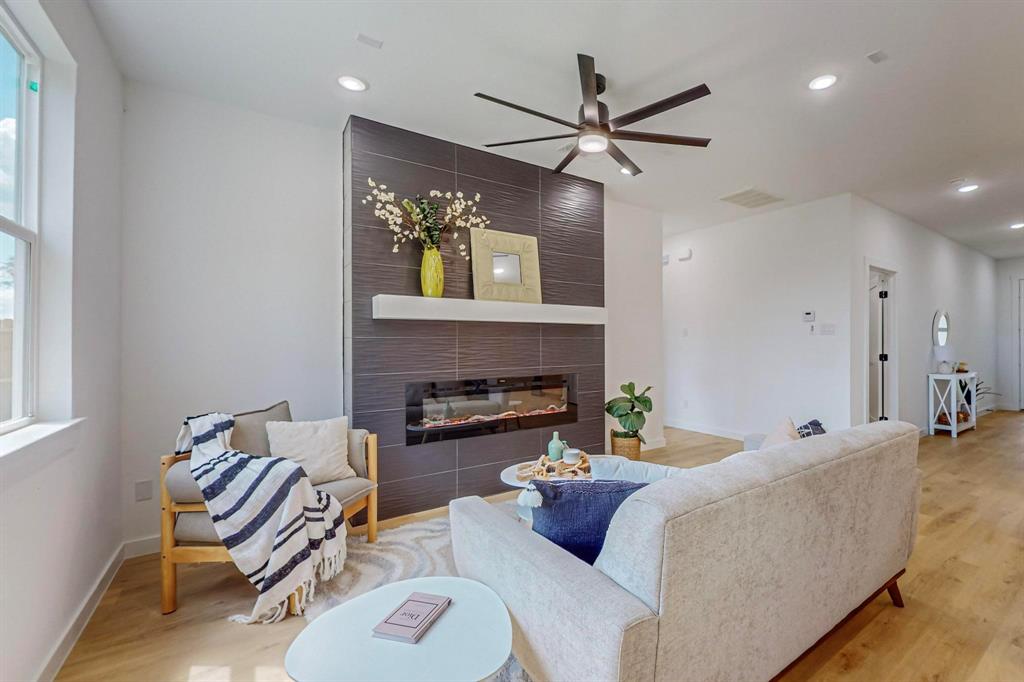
column 822, row 82
column 592, row 142
column 352, row 83
column 1016, row 226
column 625, row 171
column 966, row 188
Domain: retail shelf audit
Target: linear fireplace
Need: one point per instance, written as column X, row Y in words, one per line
column 445, row 410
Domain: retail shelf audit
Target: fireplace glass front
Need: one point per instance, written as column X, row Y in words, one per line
column 444, row 410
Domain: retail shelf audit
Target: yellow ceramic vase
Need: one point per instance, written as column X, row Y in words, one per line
column 432, row 273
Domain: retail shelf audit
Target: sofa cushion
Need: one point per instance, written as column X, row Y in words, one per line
column 320, row 447
column 250, row 432
column 347, row 490
column 198, row 526
column 575, row 514
column 616, row 468
column 811, row 428
column 180, row 484
column 357, row 451
column 784, row 432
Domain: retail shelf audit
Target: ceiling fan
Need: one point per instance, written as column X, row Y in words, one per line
column 595, row 131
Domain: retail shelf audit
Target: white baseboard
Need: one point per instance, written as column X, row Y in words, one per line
column 67, row 642
column 704, row 428
column 141, row 546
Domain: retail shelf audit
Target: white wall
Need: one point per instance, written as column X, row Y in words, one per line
column 738, row 357
column 632, row 293
column 60, row 518
column 933, row 272
column 738, row 353
column 231, row 252
column 1008, row 276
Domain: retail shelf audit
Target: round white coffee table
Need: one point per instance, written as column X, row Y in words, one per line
column 471, row 640
column 597, row 463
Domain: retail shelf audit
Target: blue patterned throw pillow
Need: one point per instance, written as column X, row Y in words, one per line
column 811, row 428
column 575, row 515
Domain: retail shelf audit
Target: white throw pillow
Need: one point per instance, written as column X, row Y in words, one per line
column 783, row 433
column 321, row 448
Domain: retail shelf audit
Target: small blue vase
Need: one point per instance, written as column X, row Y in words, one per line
column 555, row 447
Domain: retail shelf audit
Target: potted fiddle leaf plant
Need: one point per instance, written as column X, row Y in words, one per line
column 630, row 409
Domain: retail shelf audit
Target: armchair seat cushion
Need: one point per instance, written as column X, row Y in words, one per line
column 195, row 527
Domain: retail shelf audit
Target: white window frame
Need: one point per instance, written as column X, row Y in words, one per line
column 26, row 229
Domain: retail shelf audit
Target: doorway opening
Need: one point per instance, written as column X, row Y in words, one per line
column 883, row 387
column 1020, row 344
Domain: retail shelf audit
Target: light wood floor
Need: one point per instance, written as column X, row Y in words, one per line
column 964, row 589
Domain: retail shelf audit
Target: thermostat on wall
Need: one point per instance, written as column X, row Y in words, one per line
column 809, row 316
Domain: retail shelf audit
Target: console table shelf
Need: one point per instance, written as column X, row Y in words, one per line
column 946, row 397
column 393, row 307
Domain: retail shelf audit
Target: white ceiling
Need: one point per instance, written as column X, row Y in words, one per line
column 948, row 103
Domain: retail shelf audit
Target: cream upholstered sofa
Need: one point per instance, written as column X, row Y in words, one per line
column 728, row 571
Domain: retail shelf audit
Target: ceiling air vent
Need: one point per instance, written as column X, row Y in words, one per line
column 751, row 198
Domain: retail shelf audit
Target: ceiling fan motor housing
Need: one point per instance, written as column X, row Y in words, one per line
column 602, row 113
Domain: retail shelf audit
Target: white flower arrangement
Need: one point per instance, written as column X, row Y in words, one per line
column 422, row 220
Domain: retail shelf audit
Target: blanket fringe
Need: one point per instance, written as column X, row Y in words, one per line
column 326, row 569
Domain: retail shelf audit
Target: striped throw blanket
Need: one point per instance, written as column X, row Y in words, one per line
column 283, row 534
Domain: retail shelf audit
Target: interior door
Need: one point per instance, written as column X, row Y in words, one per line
column 877, row 346
column 874, row 346
column 1020, row 344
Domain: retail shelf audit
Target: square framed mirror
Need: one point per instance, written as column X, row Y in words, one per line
column 506, row 266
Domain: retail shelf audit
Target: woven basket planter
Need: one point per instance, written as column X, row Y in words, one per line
column 627, row 447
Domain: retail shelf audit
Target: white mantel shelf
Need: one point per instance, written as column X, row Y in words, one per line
column 391, row 307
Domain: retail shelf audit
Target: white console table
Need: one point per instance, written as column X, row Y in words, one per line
column 946, row 397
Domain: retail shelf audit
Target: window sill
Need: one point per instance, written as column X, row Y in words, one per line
column 57, row 436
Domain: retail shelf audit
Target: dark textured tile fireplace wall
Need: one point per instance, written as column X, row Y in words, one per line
column 564, row 212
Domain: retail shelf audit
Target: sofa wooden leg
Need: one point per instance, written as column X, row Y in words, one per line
column 168, row 585
column 894, row 594
column 371, row 517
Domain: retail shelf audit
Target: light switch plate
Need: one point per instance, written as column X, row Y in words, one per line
column 809, row 316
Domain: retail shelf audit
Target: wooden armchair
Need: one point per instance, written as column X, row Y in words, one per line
column 187, row 535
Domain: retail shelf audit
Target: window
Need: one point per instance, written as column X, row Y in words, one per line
column 19, row 85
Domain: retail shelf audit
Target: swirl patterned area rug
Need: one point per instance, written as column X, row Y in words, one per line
column 413, row 550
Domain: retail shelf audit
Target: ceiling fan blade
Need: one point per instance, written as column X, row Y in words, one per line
column 588, row 81
column 661, row 139
column 532, row 139
column 658, row 107
column 620, row 156
column 567, row 160
column 510, row 105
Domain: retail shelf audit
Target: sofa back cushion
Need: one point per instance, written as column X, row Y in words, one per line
column 250, row 432
column 750, row 560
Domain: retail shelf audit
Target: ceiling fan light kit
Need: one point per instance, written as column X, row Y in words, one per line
column 592, row 143
column 596, row 131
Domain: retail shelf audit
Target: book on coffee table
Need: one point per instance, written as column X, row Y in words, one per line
column 412, row 618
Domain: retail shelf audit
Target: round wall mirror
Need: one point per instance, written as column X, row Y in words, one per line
column 940, row 328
